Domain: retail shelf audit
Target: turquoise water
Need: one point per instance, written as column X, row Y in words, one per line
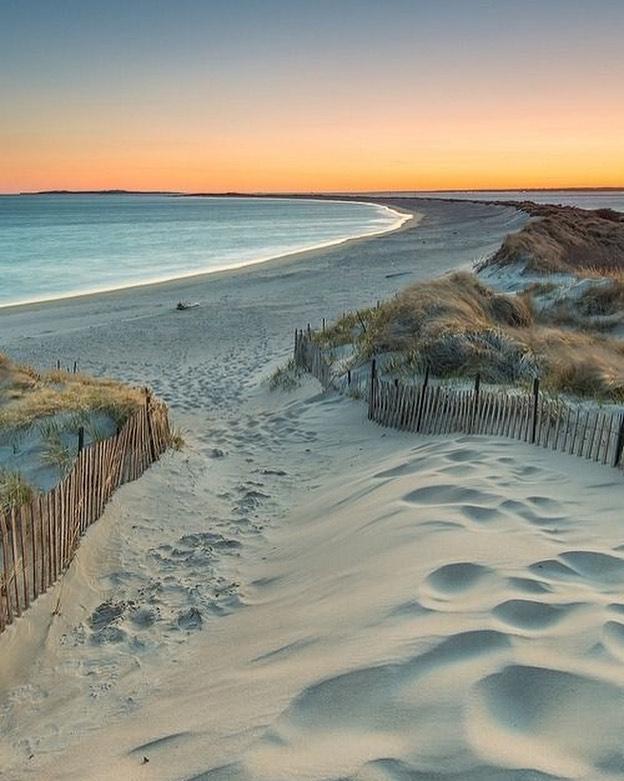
column 57, row 245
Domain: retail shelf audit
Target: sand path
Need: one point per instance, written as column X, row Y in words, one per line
column 300, row 595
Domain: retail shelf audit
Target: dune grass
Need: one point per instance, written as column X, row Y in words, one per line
column 565, row 239
column 604, row 300
column 456, row 326
column 14, row 490
column 27, row 395
column 597, row 307
column 286, row 377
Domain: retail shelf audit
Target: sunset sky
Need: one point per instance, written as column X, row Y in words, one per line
column 299, row 95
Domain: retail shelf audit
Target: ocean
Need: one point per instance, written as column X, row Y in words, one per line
column 52, row 246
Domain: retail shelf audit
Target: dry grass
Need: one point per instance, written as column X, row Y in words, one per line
column 27, row 395
column 454, row 302
column 286, row 377
column 578, row 363
column 603, row 300
column 456, row 326
column 599, row 307
column 176, row 439
column 565, row 239
column 14, row 490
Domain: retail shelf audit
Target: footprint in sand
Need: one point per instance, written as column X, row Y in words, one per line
column 534, row 512
column 453, row 579
column 567, row 719
column 478, row 514
column 530, row 615
column 551, row 569
column 600, row 567
column 529, row 586
column 613, row 636
column 448, row 494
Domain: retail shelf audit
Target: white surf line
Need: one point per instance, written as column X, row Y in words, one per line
column 400, row 219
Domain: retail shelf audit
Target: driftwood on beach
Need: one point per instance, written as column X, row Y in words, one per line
column 590, row 432
column 38, row 540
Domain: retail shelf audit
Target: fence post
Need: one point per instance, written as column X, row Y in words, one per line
column 80, row 439
column 475, row 403
column 323, row 325
column 148, row 418
column 394, row 418
column 371, row 395
column 349, row 377
column 421, row 401
column 620, row 443
column 535, row 408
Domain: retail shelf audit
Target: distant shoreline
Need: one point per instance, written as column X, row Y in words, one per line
column 312, row 194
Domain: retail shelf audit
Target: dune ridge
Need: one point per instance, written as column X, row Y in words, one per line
column 564, row 239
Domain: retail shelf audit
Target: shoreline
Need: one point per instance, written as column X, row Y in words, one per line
column 405, row 218
column 402, row 218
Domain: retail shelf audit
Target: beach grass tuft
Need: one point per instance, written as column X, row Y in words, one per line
column 455, row 326
column 286, row 377
column 176, row 439
column 14, row 490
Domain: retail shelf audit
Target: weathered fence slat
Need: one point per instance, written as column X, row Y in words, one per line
column 39, row 539
column 437, row 409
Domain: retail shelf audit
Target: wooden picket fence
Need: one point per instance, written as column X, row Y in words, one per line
column 38, row 540
column 587, row 431
column 309, row 356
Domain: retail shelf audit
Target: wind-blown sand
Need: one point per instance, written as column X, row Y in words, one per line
column 300, row 594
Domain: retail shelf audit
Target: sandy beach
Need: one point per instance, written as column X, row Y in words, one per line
column 299, row 594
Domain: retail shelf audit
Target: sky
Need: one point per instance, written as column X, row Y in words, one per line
column 310, row 95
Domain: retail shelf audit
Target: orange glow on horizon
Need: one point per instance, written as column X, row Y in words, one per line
column 273, row 169
column 434, row 132
column 386, row 153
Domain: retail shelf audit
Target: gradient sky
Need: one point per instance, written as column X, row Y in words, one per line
column 311, row 94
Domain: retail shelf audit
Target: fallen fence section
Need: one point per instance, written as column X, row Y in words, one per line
column 593, row 433
column 38, row 539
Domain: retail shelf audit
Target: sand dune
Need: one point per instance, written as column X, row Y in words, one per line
column 300, row 594
column 564, row 239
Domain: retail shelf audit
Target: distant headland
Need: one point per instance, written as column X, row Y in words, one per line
column 235, row 194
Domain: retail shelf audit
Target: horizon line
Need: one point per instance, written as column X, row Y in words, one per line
column 268, row 193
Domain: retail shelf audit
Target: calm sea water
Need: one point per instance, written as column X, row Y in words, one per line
column 585, row 199
column 55, row 245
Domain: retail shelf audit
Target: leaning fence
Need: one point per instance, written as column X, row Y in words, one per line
column 431, row 408
column 39, row 539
